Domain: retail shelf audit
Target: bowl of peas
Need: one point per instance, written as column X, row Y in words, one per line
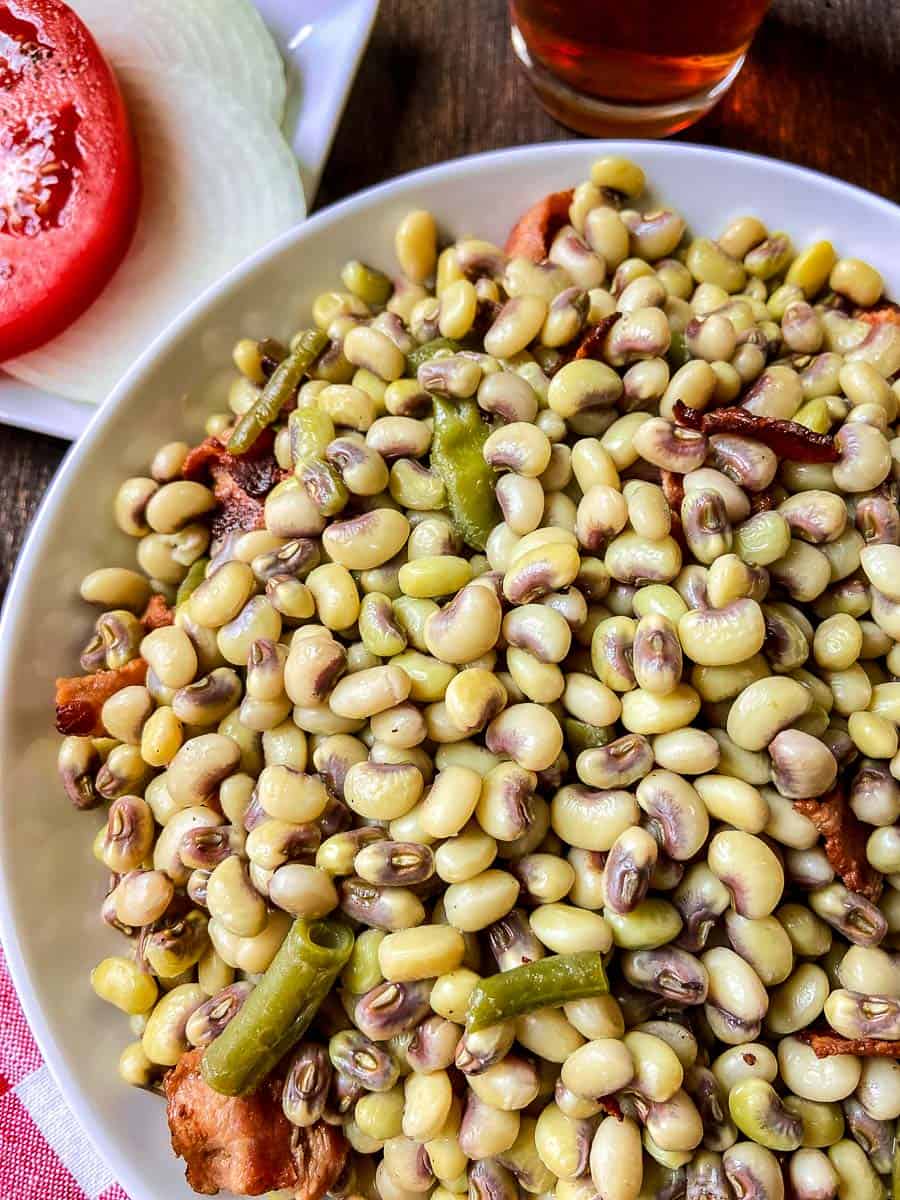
column 475, row 749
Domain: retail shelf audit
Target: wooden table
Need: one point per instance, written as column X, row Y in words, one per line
column 820, row 89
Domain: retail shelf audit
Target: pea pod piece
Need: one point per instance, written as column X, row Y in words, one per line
column 280, row 1008
column 428, row 350
column 279, row 388
column 559, row 979
column 456, row 455
column 192, row 580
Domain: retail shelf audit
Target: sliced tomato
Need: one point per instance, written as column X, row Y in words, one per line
column 69, row 180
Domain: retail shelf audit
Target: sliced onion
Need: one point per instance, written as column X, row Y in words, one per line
column 219, row 181
column 224, row 40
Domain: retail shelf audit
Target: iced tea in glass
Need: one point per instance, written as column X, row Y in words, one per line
column 639, row 67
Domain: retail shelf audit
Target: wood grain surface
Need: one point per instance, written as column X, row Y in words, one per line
column 820, row 88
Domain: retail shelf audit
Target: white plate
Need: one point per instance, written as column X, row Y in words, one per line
column 50, row 886
column 321, row 42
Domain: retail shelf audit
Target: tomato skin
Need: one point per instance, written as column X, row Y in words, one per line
column 61, row 103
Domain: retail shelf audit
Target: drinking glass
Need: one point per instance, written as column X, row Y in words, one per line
column 643, row 68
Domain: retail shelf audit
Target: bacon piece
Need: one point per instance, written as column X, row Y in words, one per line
column 786, row 438
column 255, row 470
column 212, row 451
column 240, row 482
column 591, row 343
column 320, row 1155
column 237, row 509
column 588, row 344
column 845, row 842
column 610, row 1106
column 245, row 1144
column 672, row 485
column 200, row 458
column 825, row 1042
column 533, row 233
column 157, row 614
column 884, row 313
column 79, row 698
column 673, row 488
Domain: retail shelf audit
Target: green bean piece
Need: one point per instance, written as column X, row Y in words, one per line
column 895, row 1172
column 428, row 350
column 309, row 430
column 280, row 1008
column 279, row 388
column 456, row 455
column 542, row 984
column 192, row 580
column 582, row 736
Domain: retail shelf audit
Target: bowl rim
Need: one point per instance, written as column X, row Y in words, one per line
column 24, row 976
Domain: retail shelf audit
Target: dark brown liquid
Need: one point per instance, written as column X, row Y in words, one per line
column 640, row 51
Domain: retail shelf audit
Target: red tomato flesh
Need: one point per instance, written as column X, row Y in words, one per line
column 69, row 181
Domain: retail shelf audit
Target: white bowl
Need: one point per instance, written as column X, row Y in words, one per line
column 51, row 887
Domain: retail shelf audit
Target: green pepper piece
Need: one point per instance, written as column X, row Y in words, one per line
column 280, row 1008
column 428, row 350
column 678, row 353
column 542, row 984
column 282, row 384
column 814, row 415
column 192, row 580
column 456, row 455
column 582, row 736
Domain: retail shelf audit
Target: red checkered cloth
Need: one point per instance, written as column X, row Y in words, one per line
column 44, row 1152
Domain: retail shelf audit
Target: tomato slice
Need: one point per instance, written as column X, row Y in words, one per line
column 69, row 180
